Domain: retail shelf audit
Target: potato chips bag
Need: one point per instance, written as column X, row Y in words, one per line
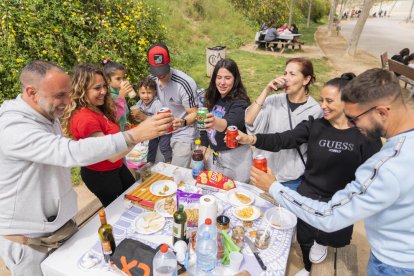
column 214, row 181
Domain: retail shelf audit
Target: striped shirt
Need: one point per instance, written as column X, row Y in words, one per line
column 179, row 93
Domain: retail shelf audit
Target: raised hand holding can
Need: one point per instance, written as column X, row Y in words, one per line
column 231, row 134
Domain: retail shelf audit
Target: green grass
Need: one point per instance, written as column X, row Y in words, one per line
column 308, row 34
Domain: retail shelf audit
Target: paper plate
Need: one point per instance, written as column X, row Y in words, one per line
column 236, row 196
column 163, row 188
column 159, row 208
column 149, row 223
column 282, row 218
column 255, row 213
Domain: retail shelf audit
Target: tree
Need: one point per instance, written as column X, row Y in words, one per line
column 356, row 34
column 309, row 13
column 332, row 14
column 71, row 32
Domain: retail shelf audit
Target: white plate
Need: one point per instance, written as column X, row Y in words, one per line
column 156, row 224
column 255, row 215
column 233, row 200
column 281, row 218
column 159, row 208
column 157, row 188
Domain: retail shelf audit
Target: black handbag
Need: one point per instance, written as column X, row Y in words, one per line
column 135, row 258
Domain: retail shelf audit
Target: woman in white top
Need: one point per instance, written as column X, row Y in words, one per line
column 283, row 111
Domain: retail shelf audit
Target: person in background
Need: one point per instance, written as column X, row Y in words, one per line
column 271, row 34
column 148, row 106
column 119, row 88
column 409, row 60
column 282, row 28
column 226, row 100
column 91, row 113
column 283, row 111
column 382, row 191
column 294, row 29
column 177, row 91
column 335, row 151
column 36, row 193
column 401, row 55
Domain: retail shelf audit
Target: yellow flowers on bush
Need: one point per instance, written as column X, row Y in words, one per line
column 73, row 31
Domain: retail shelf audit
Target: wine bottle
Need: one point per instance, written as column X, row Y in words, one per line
column 106, row 236
column 180, row 225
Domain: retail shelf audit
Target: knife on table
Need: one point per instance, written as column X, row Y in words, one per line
column 255, row 253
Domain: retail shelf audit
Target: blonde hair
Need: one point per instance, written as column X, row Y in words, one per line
column 82, row 78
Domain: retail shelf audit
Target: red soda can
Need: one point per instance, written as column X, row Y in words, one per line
column 260, row 163
column 231, row 134
column 166, row 110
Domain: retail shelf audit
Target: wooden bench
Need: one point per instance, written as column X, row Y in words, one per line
column 273, row 45
column 406, row 73
column 339, row 262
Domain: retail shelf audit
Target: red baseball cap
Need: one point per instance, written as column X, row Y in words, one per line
column 159, row 59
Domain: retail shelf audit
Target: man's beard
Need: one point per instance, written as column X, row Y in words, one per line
column 47, row 108
column 376, row 132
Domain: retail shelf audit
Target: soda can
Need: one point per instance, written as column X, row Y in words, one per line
column 166, row 110
column 231, row 134
column 201, row 116
column 260, row 163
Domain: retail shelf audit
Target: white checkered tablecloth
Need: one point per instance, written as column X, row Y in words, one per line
column 274, row 257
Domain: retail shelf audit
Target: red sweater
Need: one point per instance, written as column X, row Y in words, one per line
column 85, row 122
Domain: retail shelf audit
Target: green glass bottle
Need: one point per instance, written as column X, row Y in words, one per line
column 180, row 225
column 106, row 236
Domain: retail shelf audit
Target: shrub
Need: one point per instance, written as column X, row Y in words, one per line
column 73, row 31
column 277, row 11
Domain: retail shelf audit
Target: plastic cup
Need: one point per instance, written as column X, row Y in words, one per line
column 262, row 240
column 132, row 94
column 236, row 259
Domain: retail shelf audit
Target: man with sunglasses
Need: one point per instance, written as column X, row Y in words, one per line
column 383, row 190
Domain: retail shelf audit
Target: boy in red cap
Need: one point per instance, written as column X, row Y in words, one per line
column 177, row 91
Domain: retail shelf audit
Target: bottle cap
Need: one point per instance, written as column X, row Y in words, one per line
column 102, row 213
column 208, row 221
column 164, row 248
column 197, row 142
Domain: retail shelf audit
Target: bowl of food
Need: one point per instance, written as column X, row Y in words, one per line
column 280, row 218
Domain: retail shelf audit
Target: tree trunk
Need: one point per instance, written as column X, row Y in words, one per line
column 309, row 13
column 332, row 15
column 410, row 13
column 353, row 42
column 291, row 12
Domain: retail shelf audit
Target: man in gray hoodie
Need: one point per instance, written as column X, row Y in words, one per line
column 36, row 194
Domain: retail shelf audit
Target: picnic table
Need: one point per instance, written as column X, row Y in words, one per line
column 121, row 214
column 284, row 40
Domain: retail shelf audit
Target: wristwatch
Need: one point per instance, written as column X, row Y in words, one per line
column 183, row 122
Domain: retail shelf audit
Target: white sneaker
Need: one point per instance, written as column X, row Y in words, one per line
column 302, row 272
column 318, row 253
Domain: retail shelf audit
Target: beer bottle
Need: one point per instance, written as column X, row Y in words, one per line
column 106, row 236
column 180, row 225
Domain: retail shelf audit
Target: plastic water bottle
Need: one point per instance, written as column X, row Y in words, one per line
column 208, row 227
column 164, row 262
column 206, row 251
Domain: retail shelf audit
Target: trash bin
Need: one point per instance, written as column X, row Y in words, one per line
column 213, row 55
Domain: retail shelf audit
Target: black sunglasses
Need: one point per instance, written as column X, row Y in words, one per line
column 353, row 120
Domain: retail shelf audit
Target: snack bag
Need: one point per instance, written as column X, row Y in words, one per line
column 214, row 181
column 191, row 203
